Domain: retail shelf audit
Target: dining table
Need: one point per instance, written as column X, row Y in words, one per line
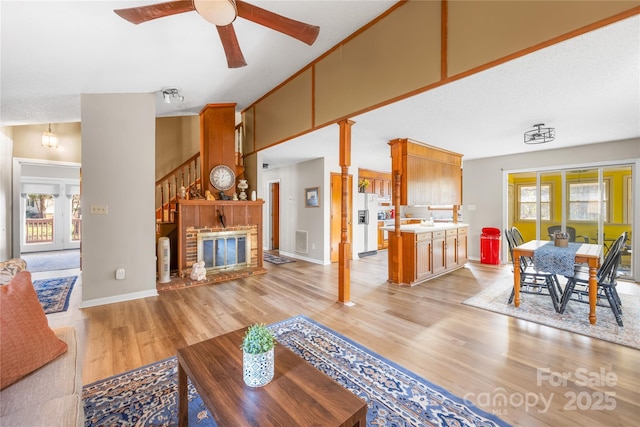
column 587, row 253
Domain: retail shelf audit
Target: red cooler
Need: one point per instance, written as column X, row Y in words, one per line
column 490, row 245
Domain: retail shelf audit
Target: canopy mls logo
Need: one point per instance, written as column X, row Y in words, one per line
column 500, row 400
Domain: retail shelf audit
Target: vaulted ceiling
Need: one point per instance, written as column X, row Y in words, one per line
column 587, row 87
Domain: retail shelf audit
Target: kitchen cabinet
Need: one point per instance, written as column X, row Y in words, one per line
column 428, row 254
column 424, row 248
column 429, row 175
column 383, row 236
column 462, row 245
column 439, row 251
column 379, row 182
column 451, row 248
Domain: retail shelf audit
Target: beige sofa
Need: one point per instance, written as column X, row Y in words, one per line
column 52, row 394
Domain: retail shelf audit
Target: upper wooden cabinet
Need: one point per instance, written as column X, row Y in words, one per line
column 379, row 182
column 429, row 175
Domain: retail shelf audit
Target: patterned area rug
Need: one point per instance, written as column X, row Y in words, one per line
column 539, row 309
column 395, row 396
column 54, row 294
column 275, row 259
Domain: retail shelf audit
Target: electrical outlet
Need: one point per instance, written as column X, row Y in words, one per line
column 99, row 209
column 313, row 246
column 120, row 274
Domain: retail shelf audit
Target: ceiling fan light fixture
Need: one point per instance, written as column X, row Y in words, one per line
column 218, row 12
column 49, row 139
column 539, row 135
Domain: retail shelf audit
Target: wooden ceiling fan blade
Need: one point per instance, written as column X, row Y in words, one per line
column 235, row 58
column 138, row 15
column 299, row 30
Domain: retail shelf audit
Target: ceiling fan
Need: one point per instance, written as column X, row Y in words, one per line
column 222, row 13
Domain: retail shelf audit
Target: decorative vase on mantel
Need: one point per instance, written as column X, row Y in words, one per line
column 258, row 356
column 242, row 185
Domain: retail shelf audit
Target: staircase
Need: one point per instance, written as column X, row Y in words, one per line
column 169, row 187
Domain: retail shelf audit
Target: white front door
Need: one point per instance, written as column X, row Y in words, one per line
column 50, row 215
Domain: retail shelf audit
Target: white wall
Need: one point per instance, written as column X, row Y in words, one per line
column 118, row 170
column 6, row 154
column 483, row 184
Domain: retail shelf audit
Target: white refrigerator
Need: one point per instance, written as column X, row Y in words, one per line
column 366, row 236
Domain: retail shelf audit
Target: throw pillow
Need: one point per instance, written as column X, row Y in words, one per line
column 9, row 269
column 26, row 340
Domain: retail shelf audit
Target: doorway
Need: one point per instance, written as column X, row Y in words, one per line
column 274, row 215
column 47, row 207
column 51, row 215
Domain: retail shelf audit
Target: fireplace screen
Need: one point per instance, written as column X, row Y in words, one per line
column 223, row 250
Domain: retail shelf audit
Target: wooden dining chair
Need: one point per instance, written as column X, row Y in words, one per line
column 577, row 287
column 533, row 281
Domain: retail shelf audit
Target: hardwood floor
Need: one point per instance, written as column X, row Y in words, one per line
column 472, row 353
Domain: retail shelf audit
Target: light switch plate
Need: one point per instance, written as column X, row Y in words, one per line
column 99, row 209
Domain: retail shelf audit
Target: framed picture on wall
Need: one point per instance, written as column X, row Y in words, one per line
column 311, row 197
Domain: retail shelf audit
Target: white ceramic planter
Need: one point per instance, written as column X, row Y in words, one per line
column 257, row 368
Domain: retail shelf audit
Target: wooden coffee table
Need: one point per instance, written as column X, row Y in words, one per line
column 298, row 395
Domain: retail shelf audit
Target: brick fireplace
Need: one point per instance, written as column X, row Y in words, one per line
column 224, row 227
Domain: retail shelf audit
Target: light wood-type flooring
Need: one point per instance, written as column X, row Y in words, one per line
column 547, row 377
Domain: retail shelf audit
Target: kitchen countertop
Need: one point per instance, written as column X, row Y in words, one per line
column 419, row 228
column 392, row 220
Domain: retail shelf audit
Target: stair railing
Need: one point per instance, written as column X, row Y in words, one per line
column 168, row 188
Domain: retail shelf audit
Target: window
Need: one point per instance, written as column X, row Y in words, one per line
column 527, row 198
column 584, row 198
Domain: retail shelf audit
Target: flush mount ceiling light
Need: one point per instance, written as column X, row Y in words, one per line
column 49, row 139
column 171, row 93
column 539, row 135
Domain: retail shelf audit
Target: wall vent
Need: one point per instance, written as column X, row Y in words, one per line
column 302, row 241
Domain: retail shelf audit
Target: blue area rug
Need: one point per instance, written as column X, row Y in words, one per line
column 395, row 397
column 53, row 260
column 54, row 294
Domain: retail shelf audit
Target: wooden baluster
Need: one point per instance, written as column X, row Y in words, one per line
column 162, row 202
column 169, row 202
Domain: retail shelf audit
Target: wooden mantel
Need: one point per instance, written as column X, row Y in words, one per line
column 205, row 214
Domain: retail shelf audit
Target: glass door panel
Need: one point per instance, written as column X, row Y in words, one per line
column 40, row 223
column 586, row 200
column 619, row 218
column 73, row 222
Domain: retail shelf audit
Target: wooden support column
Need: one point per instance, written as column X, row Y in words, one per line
column 344, row 248
column 395, row 239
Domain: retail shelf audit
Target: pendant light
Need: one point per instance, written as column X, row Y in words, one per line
column 49, row 139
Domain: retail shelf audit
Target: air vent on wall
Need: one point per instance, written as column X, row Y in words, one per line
column 302, row 242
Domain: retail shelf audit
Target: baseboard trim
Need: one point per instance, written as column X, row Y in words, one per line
column 118, row 298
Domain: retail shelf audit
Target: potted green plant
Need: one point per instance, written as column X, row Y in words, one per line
column 257, row 355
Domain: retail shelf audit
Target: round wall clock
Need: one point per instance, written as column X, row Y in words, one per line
column 222, row 177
